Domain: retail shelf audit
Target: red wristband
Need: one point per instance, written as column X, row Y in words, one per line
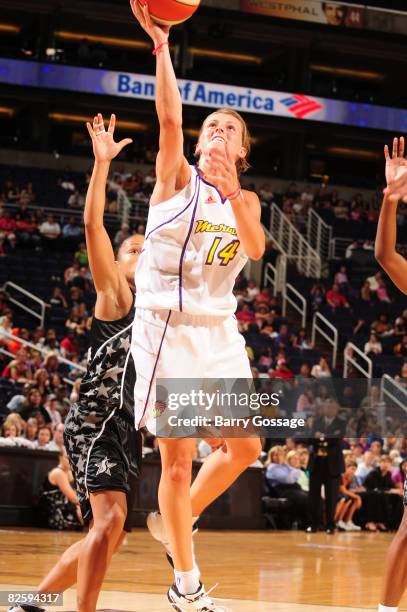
column 235, row 194
column 157, row 49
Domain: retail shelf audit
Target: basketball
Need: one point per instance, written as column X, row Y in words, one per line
column 171, row 12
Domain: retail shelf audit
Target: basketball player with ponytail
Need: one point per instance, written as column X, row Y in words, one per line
column 185, row 324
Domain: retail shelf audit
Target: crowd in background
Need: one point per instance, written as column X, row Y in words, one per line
column 37, row 388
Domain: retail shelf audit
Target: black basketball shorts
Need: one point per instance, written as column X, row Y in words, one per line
column 104, row 455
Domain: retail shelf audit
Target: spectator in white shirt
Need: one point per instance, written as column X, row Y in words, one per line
column 373, row 346
column 364, row 467
column 51, row 406
column 50, row 229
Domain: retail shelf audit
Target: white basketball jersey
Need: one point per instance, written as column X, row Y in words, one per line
column 192, row 254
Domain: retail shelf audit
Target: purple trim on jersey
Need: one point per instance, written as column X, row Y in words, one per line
column 184, row 248
column 155, row 367
column 176, row 216
column 222, row 199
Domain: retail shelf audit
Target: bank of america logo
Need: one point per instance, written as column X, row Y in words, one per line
column 301, row 106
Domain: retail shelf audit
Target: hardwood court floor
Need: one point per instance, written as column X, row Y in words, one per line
column 256, row 571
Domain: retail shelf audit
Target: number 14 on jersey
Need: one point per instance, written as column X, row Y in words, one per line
column 226, row 255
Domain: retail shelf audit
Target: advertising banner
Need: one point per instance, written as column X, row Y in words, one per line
column 329, row 13
column 198, row 93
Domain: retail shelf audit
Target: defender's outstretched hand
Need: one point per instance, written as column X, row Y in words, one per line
column 158, row 33
column 104, row 146
column 396, row 171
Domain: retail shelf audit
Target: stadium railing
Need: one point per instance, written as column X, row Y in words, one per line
column 319, row 235
column 323, row 327
column 9, row 287
column 365, row 368
column 293, row 244
column 296, row 301
column 42, row 350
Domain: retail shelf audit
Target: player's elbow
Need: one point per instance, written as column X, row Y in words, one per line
column 170, row 122
column 256, row 252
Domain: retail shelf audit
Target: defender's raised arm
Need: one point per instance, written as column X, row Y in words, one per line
column 385, row 248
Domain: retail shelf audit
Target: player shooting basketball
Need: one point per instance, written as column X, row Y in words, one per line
column 201, row 230
column 103, row 449
column 395, row 580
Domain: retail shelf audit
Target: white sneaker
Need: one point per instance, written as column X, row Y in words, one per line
column 342, row 525
column 350, row 526
column 156, row 527
column 195, row 602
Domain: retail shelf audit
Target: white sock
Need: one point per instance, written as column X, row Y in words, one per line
column 187, row 582
column 387, row 608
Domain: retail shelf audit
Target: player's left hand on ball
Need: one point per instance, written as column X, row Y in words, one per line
column 104, row 146
column 222, row 172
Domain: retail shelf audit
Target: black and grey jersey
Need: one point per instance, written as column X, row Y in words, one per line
column 110, row 377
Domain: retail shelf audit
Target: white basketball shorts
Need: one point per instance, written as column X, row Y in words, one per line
column 170, row 344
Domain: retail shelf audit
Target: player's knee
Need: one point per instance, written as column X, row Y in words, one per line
column 112, row 523
column 179, row 470
column 246, row 451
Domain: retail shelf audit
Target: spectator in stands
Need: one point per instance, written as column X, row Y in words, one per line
column 19, row 370
column 41, row 381
column 245, row 314
column 6, row 325
column 9, row 429
column 8, row 228
column 122, row 234
column 71, row 273
column 284, row 480
column 76, row 200
column 283, row 370
column 335, row 298
column 81, row 255
column 301, row 341
column 349, row 250
column 44, row 437
column 27, row 194
column 365, row 293
column 399, row 475
column 58, row 300
column 373, row 346
column 58, row 505
column 379, row 482
column 374, row 281
column 51, row 406
column 69, row 345
column 57, row 442
column 50, row 342
column 349, row 501
column 51, row 362
column 376, row 447
column 401, row 348
column 382, row 326
column 341, row 279
column 71, row 231
column 49, row 230
column 382, row 293
column 294, row 461
column 26, row 228
column 321, row 369
column 317, row 295
column 31, row 430
column 32, row 405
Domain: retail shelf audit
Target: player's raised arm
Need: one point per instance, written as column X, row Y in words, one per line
column 385, row 248
column 172, row 168
column 100, row 251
